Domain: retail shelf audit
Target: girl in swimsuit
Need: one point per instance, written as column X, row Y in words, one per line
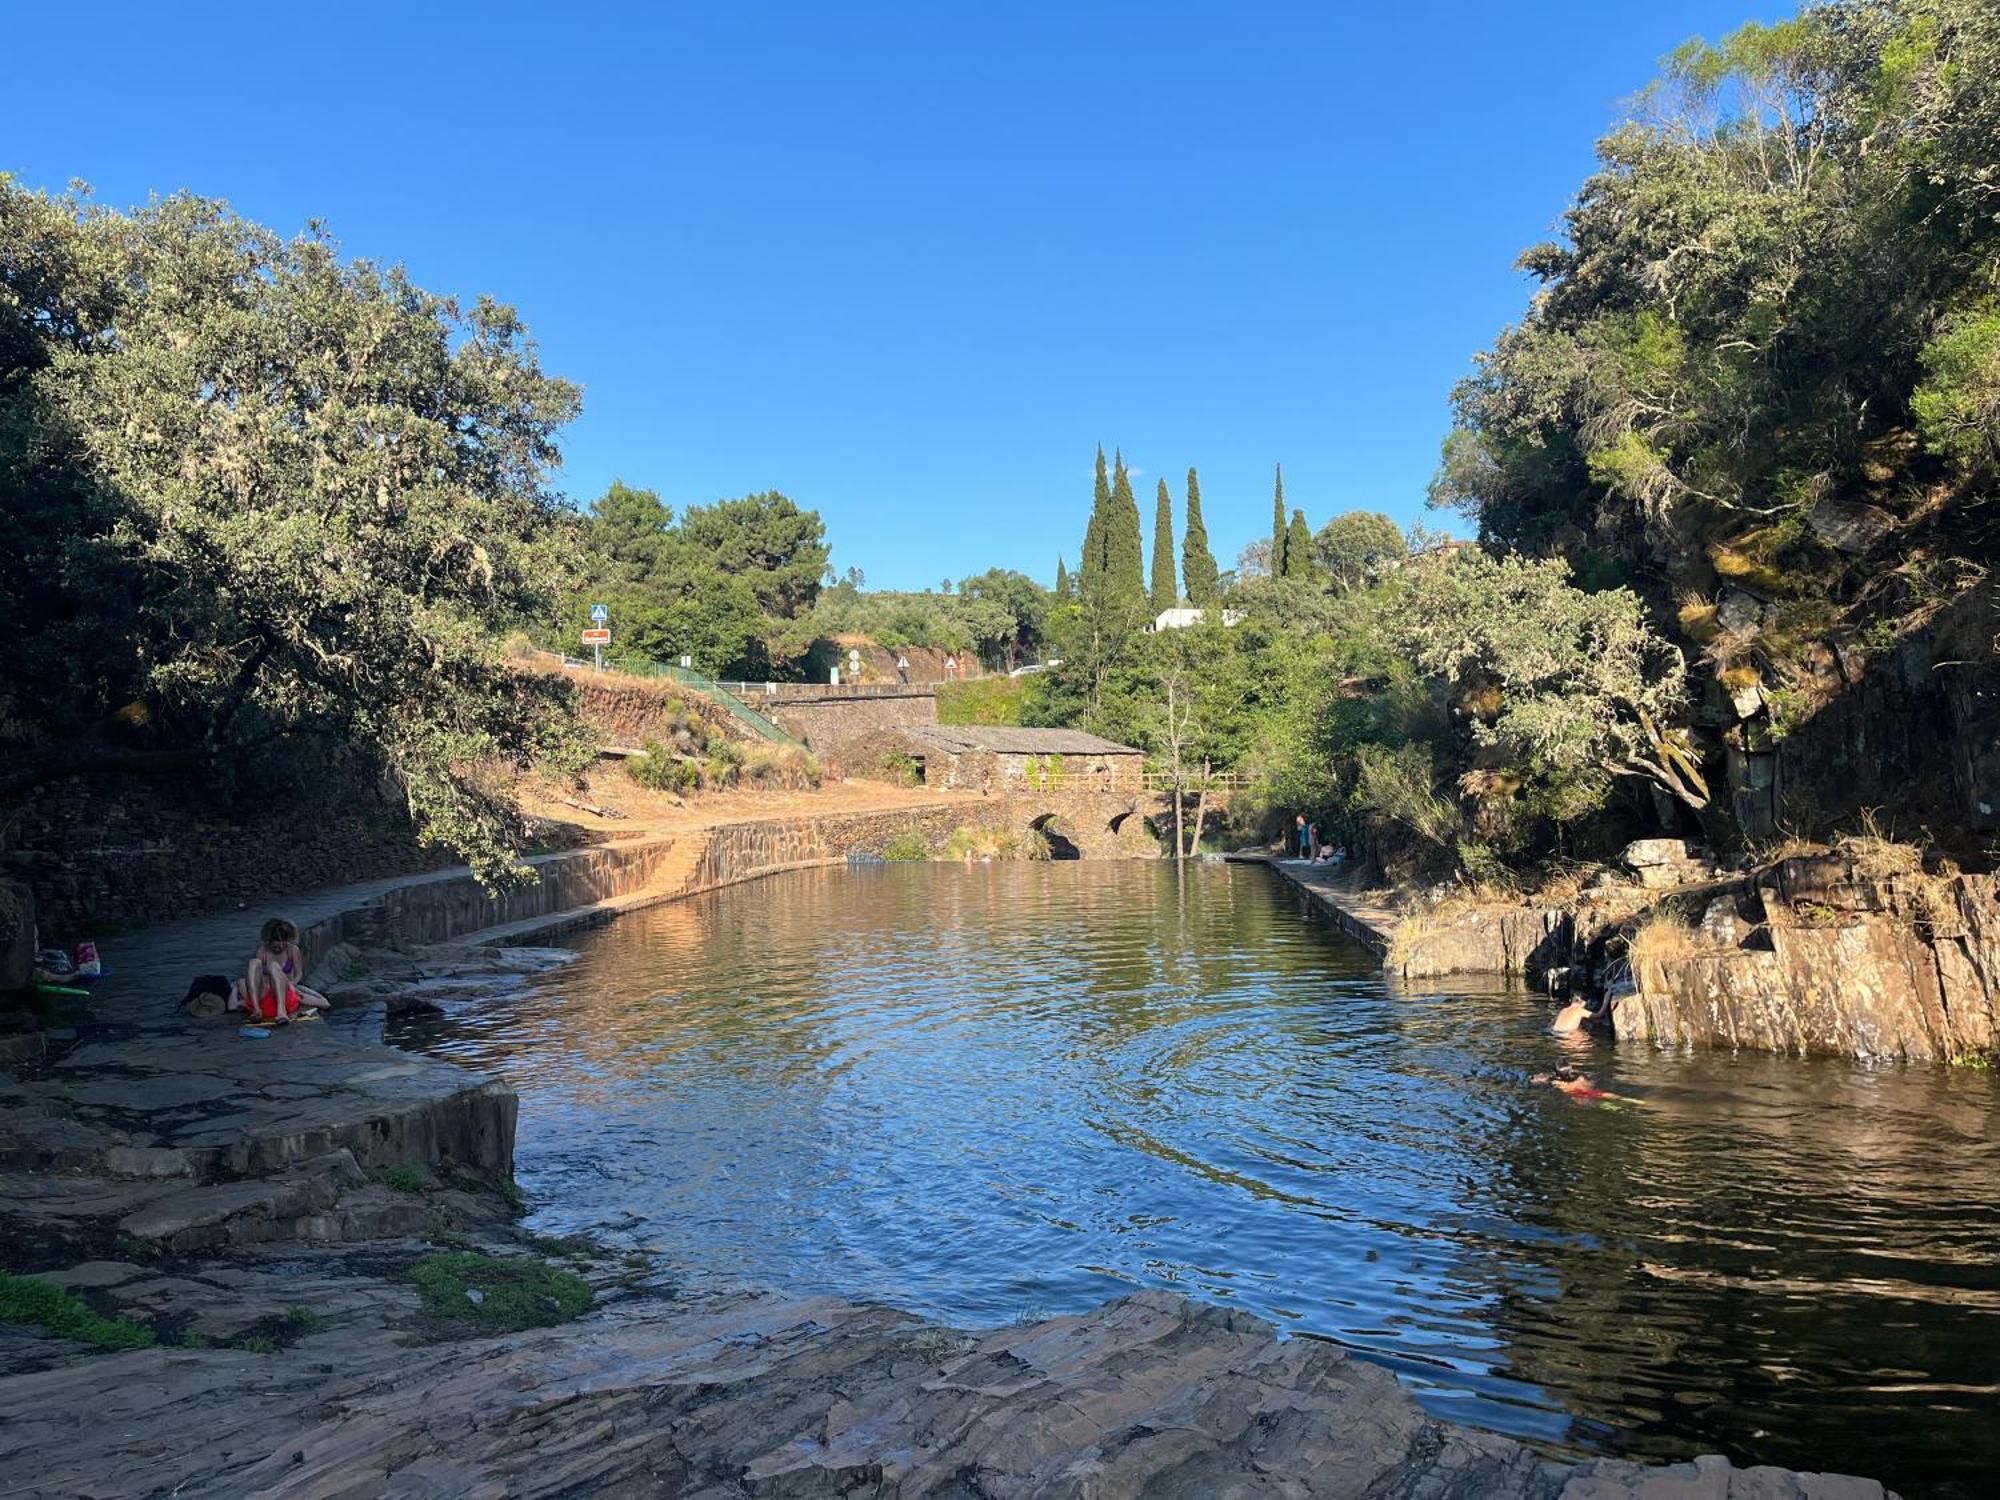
column 271, row 985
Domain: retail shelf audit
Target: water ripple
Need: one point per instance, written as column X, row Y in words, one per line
column 1008, row 1090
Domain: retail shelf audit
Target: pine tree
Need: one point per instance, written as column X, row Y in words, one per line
column 1278, row 527
column 1165, row 594
column 1299, row 549
column 1198, row 571
column 1062, row 579
column 1124, row 559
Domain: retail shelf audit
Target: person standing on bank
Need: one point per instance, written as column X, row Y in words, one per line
column 1305, row 838
column 903, row 666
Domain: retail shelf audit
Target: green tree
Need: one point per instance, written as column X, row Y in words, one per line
column 325, row 488
column 1090, row 568
column 1354, row 546
column 1164, row 594
column 1298, row 549
column 1198, row 570
column 1278, row 569
column 781, row 552
column 1062, row 580
column 1124, row 565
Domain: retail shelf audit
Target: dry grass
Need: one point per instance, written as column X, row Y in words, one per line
column 1700, row 619
column 1662, row 936
column 1418, row 925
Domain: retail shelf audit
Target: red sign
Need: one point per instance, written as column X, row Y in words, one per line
column 599, row 637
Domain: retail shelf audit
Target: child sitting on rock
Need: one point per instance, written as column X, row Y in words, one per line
column 271, row 989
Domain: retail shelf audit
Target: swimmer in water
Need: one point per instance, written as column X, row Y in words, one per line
column 1568, row 1082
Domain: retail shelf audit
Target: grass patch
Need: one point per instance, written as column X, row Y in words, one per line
column 404, row 1179
column 498, row 1295
column 44, row 1305
column 1661, row 936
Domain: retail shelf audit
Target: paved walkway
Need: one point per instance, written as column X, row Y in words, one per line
column 1366, row 916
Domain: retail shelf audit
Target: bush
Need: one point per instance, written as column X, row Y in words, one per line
column 987, row 843
column 907, row 848
column 903, row 769
column 661, row 770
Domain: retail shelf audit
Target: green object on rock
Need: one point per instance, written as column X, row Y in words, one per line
column 44, row 1305
column 514, row 1293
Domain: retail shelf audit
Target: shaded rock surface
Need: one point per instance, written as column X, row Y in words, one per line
column 783, row 1397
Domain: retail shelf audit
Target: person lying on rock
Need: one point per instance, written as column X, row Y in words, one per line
column 271, row 989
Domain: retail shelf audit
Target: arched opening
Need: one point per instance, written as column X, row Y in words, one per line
column 1059, row 846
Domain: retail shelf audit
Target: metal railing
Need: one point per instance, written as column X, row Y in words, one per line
column 1154, row 780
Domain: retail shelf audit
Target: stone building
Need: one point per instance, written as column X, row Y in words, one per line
column 1008, row 759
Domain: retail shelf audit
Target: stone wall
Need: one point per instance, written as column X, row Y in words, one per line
column 829, row 724
column 105, row 854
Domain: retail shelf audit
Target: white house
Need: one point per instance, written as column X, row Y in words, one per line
column 1182, row 617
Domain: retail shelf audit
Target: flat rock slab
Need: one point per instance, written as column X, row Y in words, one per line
column 767, row 1396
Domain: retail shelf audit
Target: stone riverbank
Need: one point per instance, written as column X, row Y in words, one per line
column 258, row 1204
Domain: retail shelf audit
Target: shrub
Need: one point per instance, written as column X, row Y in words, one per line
column 661, row 770
column 903, row 769
column 907, row 848
column 984, row 843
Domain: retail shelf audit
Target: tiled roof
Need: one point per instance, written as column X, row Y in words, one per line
column 964, row 739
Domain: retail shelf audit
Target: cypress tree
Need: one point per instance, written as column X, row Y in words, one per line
column 1278, row 527
column 1299, row 548
column 1090, row 568
column 1165, row 595
column 1124, row 560
column 1062, row 579
column 1198, row 571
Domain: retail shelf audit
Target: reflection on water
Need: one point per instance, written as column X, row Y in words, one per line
column 983, row 1092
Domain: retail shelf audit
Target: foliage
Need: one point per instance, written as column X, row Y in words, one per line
column 999, row 615
column 254, row 491
column 1299, row 562
column 662, row 770
column 500, row 1295
column 981, row 700
column 1198, row 572
column 907, row 848
column 1765, row 359
column 1278, row 526
column 1164, row 594
column 27, row 1302
column 1355, row 546
column 1562, row 690
column 731, row 585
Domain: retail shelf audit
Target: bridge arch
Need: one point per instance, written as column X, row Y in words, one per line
column 1048, row 825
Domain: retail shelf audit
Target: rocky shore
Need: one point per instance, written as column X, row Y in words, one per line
column 1851, row 950
column 260, row 1214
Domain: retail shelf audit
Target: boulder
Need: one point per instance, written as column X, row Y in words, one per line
column 1646, row 854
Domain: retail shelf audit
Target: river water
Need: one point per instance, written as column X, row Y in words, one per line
column 1003, row 1091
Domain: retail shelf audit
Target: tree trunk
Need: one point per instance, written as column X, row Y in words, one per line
column 1200, row 813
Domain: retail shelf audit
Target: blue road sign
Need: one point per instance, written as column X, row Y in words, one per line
column 599, row 613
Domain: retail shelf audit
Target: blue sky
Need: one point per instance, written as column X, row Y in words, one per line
column 910, row 263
